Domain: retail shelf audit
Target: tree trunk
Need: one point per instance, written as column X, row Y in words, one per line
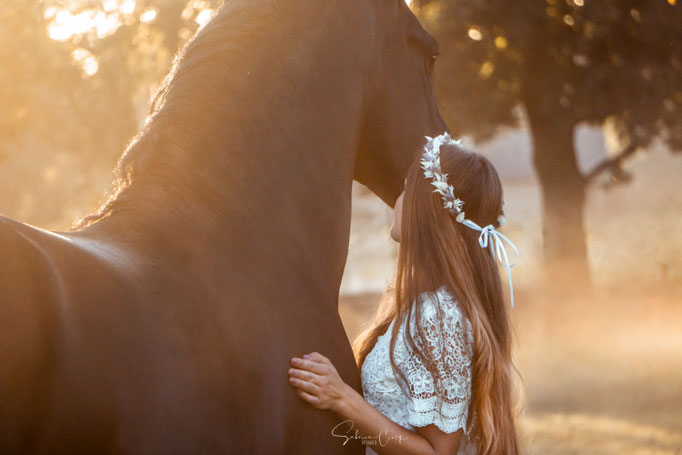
column 563, row 197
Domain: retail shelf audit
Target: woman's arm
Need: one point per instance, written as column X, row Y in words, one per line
column 318, row 383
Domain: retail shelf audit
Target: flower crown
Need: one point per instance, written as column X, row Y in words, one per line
column 431, row 165
column 430, row 162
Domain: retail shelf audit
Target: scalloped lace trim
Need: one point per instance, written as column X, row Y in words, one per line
column 452, row 416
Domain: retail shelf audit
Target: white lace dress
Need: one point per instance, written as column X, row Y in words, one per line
column 452, row 347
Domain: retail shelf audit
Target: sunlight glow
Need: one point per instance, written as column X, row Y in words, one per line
column 128, row 7
column 203, row 17
column 409, row 2
column 66, row 25
column 149, row 15
column 109, row 5
column 98, row 23
column 501, row 42
column 106, row 24
column 581, row 60
column 475, row 34
column 90, row 66
column 187, row 12
column 50, row 12
column 86, row 60
column 486, row 70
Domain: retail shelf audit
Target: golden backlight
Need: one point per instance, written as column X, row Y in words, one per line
column 66, row 22
column 603, row 371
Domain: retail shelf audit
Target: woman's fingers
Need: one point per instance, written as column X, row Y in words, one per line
column 316, row 380
column 306, row 386
column 304, row 375
column 310, row 365
column 316, row 356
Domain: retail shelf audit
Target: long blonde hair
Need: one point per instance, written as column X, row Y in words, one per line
column 436, row 250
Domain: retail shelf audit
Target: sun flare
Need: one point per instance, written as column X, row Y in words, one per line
column 65, row 22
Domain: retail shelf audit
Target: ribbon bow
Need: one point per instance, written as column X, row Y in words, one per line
column 493, row 239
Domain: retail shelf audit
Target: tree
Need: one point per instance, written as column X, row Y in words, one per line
column 561, row 64
column 75, row 76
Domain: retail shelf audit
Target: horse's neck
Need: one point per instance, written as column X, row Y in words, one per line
column 283, row 201
column 274, row 195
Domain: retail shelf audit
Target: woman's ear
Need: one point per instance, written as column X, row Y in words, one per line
column 397, row 215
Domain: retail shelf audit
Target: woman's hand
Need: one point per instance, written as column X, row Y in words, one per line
column 317, row 381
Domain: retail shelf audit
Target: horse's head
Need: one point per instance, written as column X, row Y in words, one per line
column 401, row 109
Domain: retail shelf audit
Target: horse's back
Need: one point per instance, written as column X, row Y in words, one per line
column 33, row 333
column 83, row 355
column 27, row 336
column 101, row 356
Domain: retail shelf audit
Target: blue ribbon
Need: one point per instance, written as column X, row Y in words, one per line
column 496, row 248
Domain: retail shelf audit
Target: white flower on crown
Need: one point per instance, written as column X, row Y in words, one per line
column 454, row 206
column 441, row 186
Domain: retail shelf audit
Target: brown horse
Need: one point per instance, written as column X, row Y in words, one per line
column 164, row 323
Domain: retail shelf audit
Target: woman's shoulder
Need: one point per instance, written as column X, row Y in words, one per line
column 442, row 303
column 443, row 299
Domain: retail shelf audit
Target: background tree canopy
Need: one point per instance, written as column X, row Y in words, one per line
column 616, row 63
column 76, row 75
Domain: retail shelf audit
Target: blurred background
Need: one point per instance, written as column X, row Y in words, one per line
column 578, row 103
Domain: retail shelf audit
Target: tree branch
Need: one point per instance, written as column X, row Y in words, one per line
column 611, row 163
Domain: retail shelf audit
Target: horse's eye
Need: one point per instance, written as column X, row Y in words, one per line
column 432, row 61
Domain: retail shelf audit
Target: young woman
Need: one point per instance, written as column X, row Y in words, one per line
column 446, row 385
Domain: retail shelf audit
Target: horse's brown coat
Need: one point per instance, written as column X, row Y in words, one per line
column 165, row 323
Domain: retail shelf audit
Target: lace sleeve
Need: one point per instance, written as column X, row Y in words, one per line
column 449, row 337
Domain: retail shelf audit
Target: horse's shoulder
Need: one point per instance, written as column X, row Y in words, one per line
column 18, row 236
column 27, row 330
column 20, row 252
column 59, row 251
column 26, row 275
column 9, row 233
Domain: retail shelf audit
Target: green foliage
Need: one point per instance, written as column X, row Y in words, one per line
column 581, row 60
column 561, row 62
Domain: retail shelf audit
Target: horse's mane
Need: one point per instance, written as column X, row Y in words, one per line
column 188, row 107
